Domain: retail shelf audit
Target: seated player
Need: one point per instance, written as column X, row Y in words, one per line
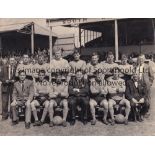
column 98, row 92
column 116, row 90
column 79, row 95
column 136, row 93
column 58, row 98
column 41, row 89
column 23, row 92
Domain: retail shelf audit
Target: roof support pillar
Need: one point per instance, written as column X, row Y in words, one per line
column 0, row 46
column 116, row 40
column 80, row 37
column 32, row 39
column 50, row 49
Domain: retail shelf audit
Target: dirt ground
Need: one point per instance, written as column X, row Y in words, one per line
column 145, row 128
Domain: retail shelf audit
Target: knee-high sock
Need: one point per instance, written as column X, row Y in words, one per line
column 127, row 111
column 65, row 113
column 92, row 109
column 35, row 115
column 105, row 114
column 111, row 110
column 51, row 113
column 44, row 114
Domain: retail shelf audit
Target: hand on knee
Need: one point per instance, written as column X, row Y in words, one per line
column 105, row 105
column 13, row 104
column 46, row 104
column 65, row 105
column 128, row 105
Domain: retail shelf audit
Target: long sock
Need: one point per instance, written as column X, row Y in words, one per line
column 105, row 114
column 93, row 112
column 35, row 115
column 51, row 113
column 65, row 112
column 127, row 111
column 44, row 114
column 111, row 110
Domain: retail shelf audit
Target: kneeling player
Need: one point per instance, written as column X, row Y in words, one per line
column 58, row 98
column 41, row 97
column 98, row 91
column 116, row 90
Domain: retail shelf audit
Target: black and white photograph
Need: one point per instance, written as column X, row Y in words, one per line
column 77, row 76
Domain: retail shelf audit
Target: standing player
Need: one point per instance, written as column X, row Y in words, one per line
column 125, row 68
column 41, row 65
column 26, row 66
column 94, row 65
column 58, row 64
column 77, row 63
column 109, row 65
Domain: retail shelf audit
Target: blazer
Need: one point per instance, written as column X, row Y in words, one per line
column 147, row 75
column 133, row 92
column 27, row 93
column 81, row 85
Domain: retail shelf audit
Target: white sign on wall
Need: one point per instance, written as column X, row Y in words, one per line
column 74, row 21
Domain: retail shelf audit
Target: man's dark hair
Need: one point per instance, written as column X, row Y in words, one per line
column 124, row 56
column 22, row 71
column 98, row 71
column 115, row 69
column 42, row 71
column 79, row 70
column 95, row 54
column 76, row 51
column 110, row 53
column 26, row 55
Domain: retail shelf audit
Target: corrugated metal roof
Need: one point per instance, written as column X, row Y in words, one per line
column 17, row 27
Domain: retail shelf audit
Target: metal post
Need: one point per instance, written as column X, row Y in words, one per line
column 87, row 36
column 116, row 40
column 84, row 37
column 0, row 81
column 80, row 37
column 50, row 50
column 153, row 26
column 50, row 44
column 0, row 46
column 93, row 35
column 32, row 39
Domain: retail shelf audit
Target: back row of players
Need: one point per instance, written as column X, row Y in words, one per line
column 106, row 84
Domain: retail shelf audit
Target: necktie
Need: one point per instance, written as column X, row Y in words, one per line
column 22, row 86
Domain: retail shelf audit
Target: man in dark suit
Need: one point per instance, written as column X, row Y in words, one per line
column 7, row 74
column 23, row 93
column 146, row 75
column 79, row 95
column 136, row 93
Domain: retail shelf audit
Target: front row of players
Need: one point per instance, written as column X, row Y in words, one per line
column 110, row 94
